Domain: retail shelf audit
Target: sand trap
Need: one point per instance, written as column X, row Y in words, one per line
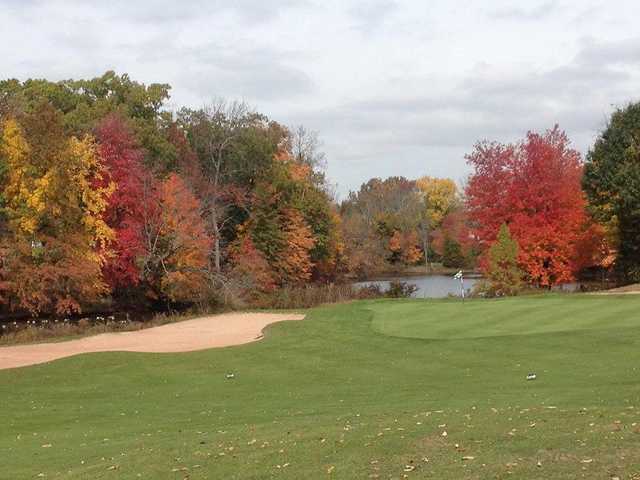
column 626, row 290
column 197, row 334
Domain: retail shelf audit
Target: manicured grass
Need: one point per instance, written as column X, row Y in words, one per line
column 344, row 395
column 508, row 316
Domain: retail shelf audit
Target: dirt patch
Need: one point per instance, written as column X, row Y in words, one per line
column 197, row 334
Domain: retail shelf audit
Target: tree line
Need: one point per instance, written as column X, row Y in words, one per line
column 107, row 198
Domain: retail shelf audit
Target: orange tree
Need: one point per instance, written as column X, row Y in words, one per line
column 175, row 264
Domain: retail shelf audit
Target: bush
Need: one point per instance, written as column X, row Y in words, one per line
column 400, row 290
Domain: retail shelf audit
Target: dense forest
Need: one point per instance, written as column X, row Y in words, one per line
column 108, row 198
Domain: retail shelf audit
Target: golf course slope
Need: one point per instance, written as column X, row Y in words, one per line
column 386, row 389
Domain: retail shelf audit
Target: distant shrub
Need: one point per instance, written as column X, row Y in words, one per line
column 400, row 290
column 372, row 290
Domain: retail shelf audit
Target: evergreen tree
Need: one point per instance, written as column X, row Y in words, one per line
column 452, row 256
column 612, row 183
column 503, row 273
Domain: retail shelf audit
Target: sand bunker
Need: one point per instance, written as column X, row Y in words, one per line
column 197, row 334
column 626, row 290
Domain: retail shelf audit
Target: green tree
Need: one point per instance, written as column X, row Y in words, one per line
column 612, row 183
column 502, row 272
column 83, row 103
column 452, row 256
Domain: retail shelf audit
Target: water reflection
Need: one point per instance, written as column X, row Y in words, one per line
column 429, row 286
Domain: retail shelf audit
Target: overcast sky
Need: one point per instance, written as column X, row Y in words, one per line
column 392, row 87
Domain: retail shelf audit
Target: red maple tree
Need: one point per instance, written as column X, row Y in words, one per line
column 123, row 158
column 533, row 187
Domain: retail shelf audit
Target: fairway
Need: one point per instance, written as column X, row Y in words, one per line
column 375, row 389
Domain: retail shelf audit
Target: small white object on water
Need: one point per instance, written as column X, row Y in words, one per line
column 532, row 376
column 230, row 376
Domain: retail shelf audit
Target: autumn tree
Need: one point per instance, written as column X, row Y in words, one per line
column 123, row 159
column 176, row 261
column 372, row 216
column 612, row 183
column 234, row 146
column 533, row 187
column 455, row 228
column 438, row 198
column 404, row 247
column 278, row 229
column 294, row 263
column 365, row 253
column 251, row 275
column 55, row 196
column 302, row 187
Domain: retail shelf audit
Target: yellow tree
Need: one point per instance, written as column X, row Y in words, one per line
column 438, row 197
column 54, row 195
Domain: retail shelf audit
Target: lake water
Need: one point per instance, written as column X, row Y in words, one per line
column 429, row 286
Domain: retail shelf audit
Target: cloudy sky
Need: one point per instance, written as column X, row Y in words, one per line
column 393, row 87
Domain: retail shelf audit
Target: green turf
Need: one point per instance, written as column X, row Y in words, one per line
column 343, row 395
column 508, row 316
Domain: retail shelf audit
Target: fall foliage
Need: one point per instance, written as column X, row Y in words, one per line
column 534, row 188
column 109, row 197
column 176, row 259
column 122, row 158
column 105, row 195
column 56, row 195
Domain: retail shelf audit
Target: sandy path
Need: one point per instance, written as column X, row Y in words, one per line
column 197, row 334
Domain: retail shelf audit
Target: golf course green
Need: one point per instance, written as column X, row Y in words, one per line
column 371, row 389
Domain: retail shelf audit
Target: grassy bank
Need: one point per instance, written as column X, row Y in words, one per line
column 374, row 389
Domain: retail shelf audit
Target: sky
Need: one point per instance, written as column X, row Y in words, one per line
column 392, row 87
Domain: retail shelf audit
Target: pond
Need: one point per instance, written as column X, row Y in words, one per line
column 429, row 286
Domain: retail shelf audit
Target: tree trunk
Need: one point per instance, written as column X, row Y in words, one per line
column 425, row 246
column 216, row 240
